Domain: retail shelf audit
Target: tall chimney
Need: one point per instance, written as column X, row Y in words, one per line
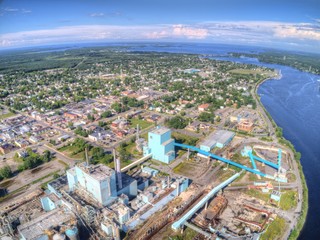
column 137, row 135
column 118, row 169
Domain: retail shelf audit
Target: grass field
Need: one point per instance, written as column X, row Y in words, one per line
column 288, row 200
column 248, row 71
column 7, row 115
column 142, row 123
column 68, row 150
column 185, row 168
column 258, row 194
column 275, row 230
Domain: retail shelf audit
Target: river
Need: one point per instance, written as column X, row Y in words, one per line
column 294, row 103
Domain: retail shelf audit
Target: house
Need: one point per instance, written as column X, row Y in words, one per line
column 23, row 154
column 35, row 139
column 203, row 107
column 153, row 118
column 21, row 143
column 70, row 115
column 63, row 138
column 204, row 126
column 119, row 123
column 95, row 136
column 193, row 126
column 120, row 134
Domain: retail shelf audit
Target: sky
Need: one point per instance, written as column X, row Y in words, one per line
column 284, row 24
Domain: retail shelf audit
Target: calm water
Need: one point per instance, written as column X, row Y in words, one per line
column 293, row 102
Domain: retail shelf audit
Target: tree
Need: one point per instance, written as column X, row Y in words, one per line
column 206, row 117
column 47, row 156
column 80, row 131
column 177, row 122
column 5, row 172
column 106, row 114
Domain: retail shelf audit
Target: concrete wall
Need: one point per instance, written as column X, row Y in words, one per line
column 72, row 179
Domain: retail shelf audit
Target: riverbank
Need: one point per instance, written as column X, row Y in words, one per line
column 298, row 226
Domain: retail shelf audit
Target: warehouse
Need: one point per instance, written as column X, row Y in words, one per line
column 219, row 139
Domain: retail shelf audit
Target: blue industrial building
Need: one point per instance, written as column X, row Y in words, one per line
column 160, row 145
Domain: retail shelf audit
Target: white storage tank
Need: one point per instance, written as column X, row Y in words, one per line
column 59, row 236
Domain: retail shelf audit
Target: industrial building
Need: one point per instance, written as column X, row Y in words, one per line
column 219, row 138
column 160, row 145
column 99, row 181
column 99, row 201
column 54, row 223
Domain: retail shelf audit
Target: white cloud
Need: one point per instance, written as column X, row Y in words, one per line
column 189, row 32
column 259, row 33
column 8, row 9
column 96, row 14
column 13, row 11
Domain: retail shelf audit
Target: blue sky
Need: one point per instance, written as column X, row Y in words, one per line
column 285, row 24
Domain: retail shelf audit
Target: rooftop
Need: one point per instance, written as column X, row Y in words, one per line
column 37, row 226
column 59, row 182
column 160, row 130
column 220, row 136
column 98, row 172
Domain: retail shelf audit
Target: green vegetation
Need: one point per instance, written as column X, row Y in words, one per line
column 288, row 200
column 124, row 153
column 303, row 214
column 80, row 131
column 143, row 124
column 206, row 117
column 6, row 115
column 267, row 139
column 258, row 194
column 251, row 71
column 34, row 159
column 5, row 172
column 302, row 61
column 106, row 114
column 77, row 148
column 98, row 155
column 188, row 234
column 183, row 138
column 274, row 230
column 177, row 122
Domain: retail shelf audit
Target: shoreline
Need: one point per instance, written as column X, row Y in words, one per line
column 301, row 219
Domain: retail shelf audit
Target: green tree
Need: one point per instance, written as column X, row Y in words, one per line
column 106, row 114
column 177, row 122
column 206, row 117
column 5, row 172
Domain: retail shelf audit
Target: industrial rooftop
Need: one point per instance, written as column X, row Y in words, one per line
column 160, row 130
column 98, row 172
column 36, row 227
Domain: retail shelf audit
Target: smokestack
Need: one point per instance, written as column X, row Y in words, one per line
column 87, row 157
column 137, row 136
column 118, row 169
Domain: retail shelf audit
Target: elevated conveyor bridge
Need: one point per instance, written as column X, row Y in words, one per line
column 255, row 171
